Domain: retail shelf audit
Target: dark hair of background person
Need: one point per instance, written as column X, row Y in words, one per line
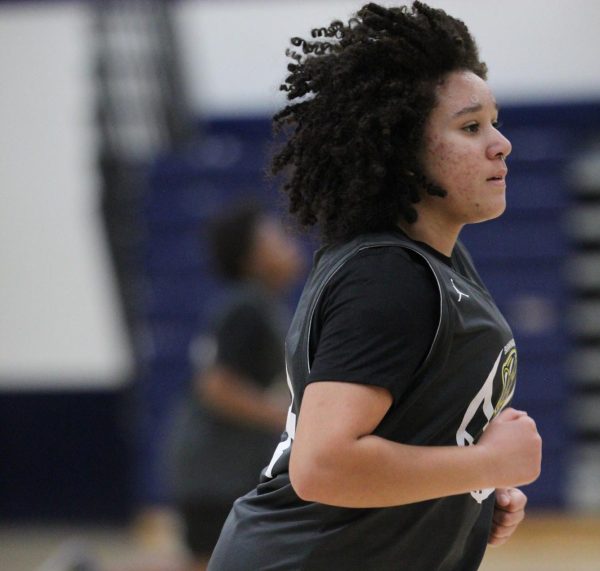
column 362, row 93
column 231, row 237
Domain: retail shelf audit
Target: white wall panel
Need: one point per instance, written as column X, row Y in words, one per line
column 537, row 50
column 59, row 319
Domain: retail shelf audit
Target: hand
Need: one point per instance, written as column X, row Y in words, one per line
column 514, row 449
column 509, row 512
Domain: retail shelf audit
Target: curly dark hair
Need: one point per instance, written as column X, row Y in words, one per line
column 362, row 93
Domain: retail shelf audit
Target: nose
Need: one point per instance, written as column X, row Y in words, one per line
column 499, row 146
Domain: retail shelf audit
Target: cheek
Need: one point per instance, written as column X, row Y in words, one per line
column 448, row 166
column 456, row 172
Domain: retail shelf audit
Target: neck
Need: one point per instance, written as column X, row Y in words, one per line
column 433, row 232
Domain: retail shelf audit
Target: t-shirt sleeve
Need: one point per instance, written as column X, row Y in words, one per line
column 376, row 321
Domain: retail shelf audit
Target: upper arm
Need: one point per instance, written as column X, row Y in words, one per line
column 377, row 321
column 336, row 409
column 334, row 415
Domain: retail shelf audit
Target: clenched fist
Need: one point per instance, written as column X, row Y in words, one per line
column 513, row 448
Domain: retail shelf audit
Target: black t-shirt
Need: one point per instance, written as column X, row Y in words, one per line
column 214, row 458
column 370, row 330
column 248, row 331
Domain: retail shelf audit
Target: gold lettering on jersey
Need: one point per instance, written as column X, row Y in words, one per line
column 509, row 380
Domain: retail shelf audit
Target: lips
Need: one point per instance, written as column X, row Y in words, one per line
column 500, row 175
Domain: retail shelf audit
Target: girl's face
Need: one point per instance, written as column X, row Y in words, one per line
column 275, row 258
column 464, row 152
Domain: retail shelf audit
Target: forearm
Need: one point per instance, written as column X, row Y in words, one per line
column 375, row 472
column 336, row 458
column 237, row 400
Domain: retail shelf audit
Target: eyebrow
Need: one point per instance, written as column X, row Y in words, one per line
column 472, row 109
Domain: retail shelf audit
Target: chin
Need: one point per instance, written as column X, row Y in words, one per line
column 499, row 211
column 493, row 211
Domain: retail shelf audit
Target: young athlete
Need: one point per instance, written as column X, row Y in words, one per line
column 400, row 450
column 228, row 424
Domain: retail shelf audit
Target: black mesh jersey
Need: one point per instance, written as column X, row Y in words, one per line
column 466, row 378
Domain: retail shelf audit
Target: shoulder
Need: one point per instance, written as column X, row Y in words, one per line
column 380, row 281
column 380, row 267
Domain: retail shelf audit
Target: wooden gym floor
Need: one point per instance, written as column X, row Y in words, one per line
column 544, row 542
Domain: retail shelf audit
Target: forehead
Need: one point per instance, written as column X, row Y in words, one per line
column 462, row 90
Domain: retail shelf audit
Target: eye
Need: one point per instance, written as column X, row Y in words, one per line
column 497, row 125
column 471, row 128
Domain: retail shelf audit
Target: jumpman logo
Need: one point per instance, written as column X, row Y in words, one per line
column 460, row 293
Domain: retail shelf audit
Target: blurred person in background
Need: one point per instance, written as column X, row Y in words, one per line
column 401, row 450
column 231, row 420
